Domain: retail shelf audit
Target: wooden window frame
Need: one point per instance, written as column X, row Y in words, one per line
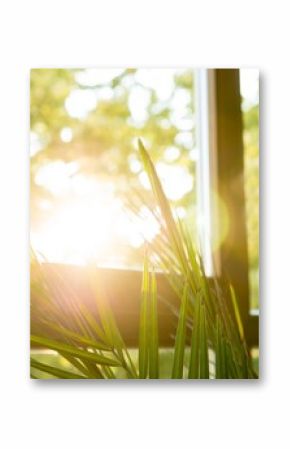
column 234, row 261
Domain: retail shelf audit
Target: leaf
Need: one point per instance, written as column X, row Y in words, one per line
column 153, row 334
column 83, row 341
column 56, row 372
column 112, row 333
column 237, row 313
column 193, row 370
column 220, row 353
column 204, row 367
column 164, row 205
column 180, row 339
column 143, row 327
column 73, row 351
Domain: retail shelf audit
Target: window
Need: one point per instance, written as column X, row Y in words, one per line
column 84, row 168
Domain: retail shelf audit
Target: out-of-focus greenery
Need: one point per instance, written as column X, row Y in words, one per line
column 89, row 120
column 251, row 160
column 92, row 118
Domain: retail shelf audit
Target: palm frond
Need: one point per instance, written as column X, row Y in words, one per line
column 92, row 343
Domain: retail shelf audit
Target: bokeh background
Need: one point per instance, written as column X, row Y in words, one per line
column 85, row 166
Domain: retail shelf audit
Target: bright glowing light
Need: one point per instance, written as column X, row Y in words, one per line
column 193, row 154
column 105, row 93
column 81, row 231
column 66, row 134
column 80, row 102
column 180, row 212
column 56, row 176
column 185, row 138
column 86, row 219
column 45, row 204
column 171, row 154
column 139, row 99
column 161, row 80
column 249, row 83
column 181, row 114
column 176, row 180
column 77, row 233
column 94, row 77
column 35, row 144
column 181, row 99
column 134, row 164
column 182, row 122
column 138, row 229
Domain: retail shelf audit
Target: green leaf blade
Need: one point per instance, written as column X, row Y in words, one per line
column 56, row 372
column 193, row 370
column 180, row 340
column 73, row 351
column 153, row 334
column 143, row 328
column 204, row 362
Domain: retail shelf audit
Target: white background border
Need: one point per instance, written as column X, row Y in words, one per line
column 138, row 33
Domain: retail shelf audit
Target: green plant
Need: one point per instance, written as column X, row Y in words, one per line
column 207, row 322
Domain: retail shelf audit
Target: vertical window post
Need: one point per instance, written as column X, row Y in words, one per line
column 207, row 169
column 221, row 184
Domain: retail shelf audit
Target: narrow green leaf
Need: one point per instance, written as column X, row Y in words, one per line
column 93, row 326
column 143, row 328
column 56, row 372
column 83, row 341
column 81, row 366
column 112, row 333
column 73, row 351
column 180, row 339
column 204, row 366
column 220, row 352
column 193, row 370
column 237, row 313
column 94, row 371
column 153, row 334
column 163, row 204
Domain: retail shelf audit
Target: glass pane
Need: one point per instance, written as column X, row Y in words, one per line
column 85, row 165
column 250, row 106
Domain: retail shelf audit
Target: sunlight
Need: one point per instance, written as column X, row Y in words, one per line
column 80, row 102
column 35, row 144
column 66, row 134
column 56, row 176
column 92, row 77
column 89, row 222
column 139, row 100
column 161, row 80
column 249, row 82
column 85, row 229
column 78, row 216
column 176, row 180
column 77, row 233
column 137, row 230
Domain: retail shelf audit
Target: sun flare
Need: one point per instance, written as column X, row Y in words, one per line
column 90, row 225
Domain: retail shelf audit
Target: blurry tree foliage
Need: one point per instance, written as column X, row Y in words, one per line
column 251, row 145
column 92, row 118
